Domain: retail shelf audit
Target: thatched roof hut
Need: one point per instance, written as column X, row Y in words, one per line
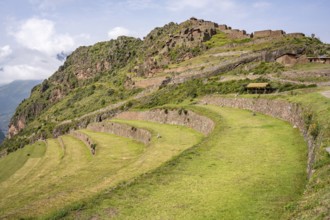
column 259, row 87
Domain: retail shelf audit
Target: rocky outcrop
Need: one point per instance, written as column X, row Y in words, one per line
column 3, row 153
column 176, row 117
column 290, row 112
column 16, row 127
column 124, row 130
column 84, row 138
column 291, row 59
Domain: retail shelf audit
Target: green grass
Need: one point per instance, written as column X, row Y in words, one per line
column 13, row 162
column 251, row 167
column 221, row 39
column 315, row 201
column 309, row 66
column 47, row 183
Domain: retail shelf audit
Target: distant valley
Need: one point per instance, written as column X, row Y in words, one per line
column 11, row 95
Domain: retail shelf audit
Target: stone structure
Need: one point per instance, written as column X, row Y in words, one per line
column 260, row 88
column 287, row 60
column 236, row 34
column 290, row 112
column 290, row 59
column 324, row 60
column 268, row 33
column 138, row 134
column 176, row 116
column 84, row 138
column 297, row 35
column 200, row 31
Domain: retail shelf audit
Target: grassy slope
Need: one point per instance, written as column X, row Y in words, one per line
column 315, row 203
column 13, row 162
column 225, row 177
column 47, row 183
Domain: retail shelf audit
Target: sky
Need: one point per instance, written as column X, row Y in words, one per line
column 35, row 35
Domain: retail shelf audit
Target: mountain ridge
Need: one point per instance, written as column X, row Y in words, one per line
column 173, row 43
column 11, row 95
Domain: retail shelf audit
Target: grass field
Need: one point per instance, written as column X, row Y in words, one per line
column 250, row 167
column 48, row 181
column 13, row 162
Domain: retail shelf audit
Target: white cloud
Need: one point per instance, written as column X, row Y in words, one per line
column 118, row 31
column 261, row 5
column 22, row 72
column 40, row 34
column 5, row 51
column 28, row 64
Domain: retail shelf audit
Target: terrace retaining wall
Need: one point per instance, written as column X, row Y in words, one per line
column 124, row 130
column 84, row 138
column 177, row 117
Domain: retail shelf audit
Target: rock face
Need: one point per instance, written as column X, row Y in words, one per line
column 138, row 134
column 179, row 42
column 292, row 59
column 175, row 117
column 289, row 112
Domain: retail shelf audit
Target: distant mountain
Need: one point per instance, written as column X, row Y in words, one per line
column 11, row 95
column 2, row 136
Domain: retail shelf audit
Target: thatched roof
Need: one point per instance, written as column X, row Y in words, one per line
column 257, row 85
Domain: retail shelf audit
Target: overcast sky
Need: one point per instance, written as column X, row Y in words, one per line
column 34, row 32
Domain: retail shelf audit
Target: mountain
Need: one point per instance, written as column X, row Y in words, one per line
column 2, row 136
column 11, row 95
column 109, row 72
column 203, row 103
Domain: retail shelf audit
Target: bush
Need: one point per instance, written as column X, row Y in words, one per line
column 264, row 68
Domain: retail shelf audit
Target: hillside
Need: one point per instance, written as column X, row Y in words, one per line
column 197, row 120
column 11, row 95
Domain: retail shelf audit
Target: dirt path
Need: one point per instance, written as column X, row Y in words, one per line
column 326, row 94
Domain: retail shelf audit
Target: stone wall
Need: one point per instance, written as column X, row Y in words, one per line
column 290, row 112
column 268, row 33
column 177, row 117
column 237, row 34
column 123, row 130
column 84, row 138
column 298, row 35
